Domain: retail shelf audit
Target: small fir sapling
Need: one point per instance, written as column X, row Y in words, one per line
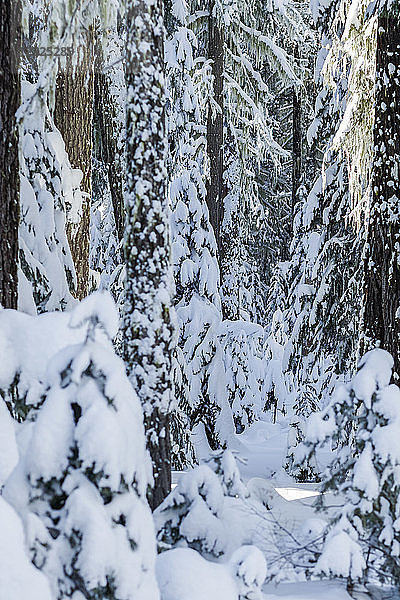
column 193, row 513
column 87, row 470
column 363, row 424
column 223, row 463
column 245, row 368
column 190, row 515
column 249, row 569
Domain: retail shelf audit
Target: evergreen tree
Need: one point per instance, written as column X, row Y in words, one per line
column 322, row 320
column 242, row 44
column 362, row 422
column 244, row 364
column 193, row 514
column 147, row 326
column 86, row 471
column 196, row 270
column 50, row 197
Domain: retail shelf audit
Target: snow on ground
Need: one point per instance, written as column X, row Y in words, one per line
column 183, row 574
column 279, row 517
column 308, row 590
column 261, row 449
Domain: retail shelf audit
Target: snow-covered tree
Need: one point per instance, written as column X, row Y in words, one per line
column 148, row 328
column 241, row 43
column 244, row 364
column 193, row 513
column 85, row 471
column 194, row 251
column 200, row 323
column 362, row 424
column 322, row 312
column 50, row 197
column 311, row 270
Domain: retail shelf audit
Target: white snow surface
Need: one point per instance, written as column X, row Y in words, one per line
column 19, row 579
column 99, row 306
column 8, row 444
column 183, row 574
column 26, row 345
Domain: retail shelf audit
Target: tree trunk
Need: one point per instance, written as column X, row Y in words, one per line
column 382, row 270
column 73, row 116
column 148, row 331
column 108, row 136
column 296, row 148
column 215, row 128
column 10, row 99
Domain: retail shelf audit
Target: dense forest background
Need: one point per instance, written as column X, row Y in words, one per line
column 199, row 233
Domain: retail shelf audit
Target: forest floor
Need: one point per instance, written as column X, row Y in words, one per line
column 291, row 519
column 325, row 590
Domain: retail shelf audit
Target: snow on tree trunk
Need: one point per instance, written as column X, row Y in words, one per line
column 73, row 116
column 382, row 288
column 10, row 40
column 147, row 327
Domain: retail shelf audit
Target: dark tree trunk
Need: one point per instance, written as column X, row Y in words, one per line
column 382, row 270
column 10, row 99
column 107, row 140
column 148, row 330
column 215, row 128
column 296, row 147
column 73, row 116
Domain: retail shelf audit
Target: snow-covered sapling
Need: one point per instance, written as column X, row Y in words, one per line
column 363, row 423
column 193, row 514
column 87, row 469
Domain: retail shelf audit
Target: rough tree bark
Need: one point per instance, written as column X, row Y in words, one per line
column 73, row 116
column 10, row 98
column 382, row 269
column 107, row 139
column 215, row 128
column 148, row 331
column 296, row 146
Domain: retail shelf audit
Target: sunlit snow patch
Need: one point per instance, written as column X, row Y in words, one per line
column 290, row 494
